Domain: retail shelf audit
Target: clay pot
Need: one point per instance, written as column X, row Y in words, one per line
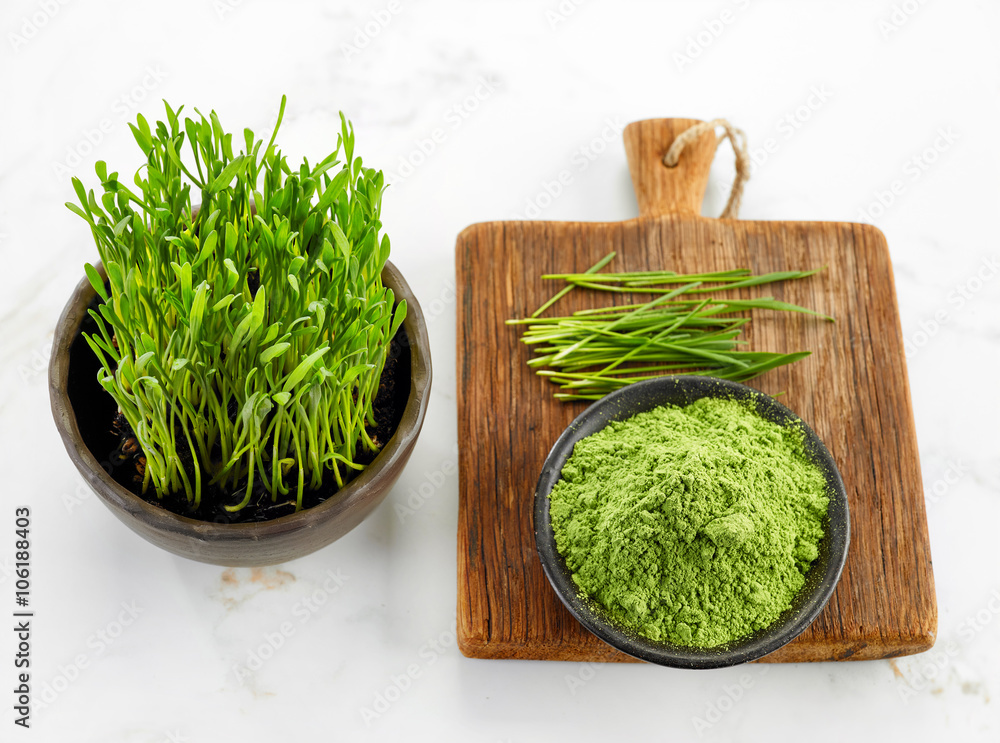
column 246, row 544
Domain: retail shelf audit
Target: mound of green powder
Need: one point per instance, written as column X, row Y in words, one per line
column 693, row 525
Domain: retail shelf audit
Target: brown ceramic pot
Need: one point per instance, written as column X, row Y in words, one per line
column 250, row 544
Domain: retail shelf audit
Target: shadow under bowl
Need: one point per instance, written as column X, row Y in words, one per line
column 820, row 580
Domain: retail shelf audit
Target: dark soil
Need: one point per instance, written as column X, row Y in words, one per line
column 110, row 439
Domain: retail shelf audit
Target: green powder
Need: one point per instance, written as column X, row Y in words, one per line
column 693, row 525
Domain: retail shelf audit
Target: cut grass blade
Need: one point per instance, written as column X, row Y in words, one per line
column 597, row 350
column 569, row 287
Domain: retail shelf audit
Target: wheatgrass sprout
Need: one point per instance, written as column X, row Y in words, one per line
column 243, row 327
column 596, row 351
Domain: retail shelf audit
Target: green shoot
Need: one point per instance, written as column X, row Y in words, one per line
column 244, row 326
column 596, row 351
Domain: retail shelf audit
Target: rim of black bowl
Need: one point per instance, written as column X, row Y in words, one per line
column 821, row 580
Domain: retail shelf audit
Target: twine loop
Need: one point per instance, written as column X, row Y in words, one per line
column 737, row 138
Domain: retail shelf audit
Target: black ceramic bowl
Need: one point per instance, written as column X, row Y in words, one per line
column 682, row 390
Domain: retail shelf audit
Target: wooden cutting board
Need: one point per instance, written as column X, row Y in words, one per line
column 853, row 391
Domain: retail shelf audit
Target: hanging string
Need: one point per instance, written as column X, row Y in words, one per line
column 737, row 138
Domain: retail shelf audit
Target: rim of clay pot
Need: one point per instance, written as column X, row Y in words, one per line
column 381, row 472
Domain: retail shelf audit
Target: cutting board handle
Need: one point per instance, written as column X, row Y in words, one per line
column 661, row 190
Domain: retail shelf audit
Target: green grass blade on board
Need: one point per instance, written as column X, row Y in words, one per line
column 597, row 350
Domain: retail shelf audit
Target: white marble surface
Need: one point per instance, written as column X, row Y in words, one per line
column 372, row 655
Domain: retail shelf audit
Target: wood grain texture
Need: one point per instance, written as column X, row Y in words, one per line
column 660, row 190
column 853, row 391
